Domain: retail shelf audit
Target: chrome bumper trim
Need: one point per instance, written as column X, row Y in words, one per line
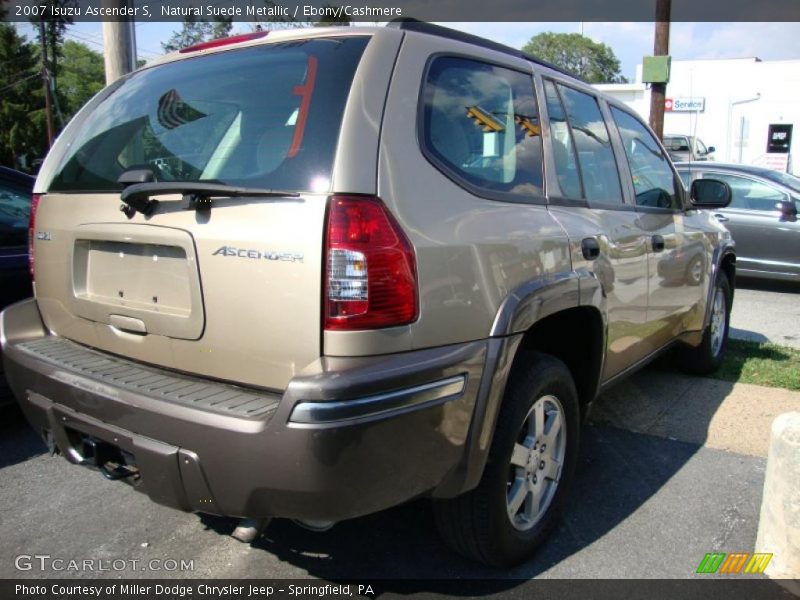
column 320, row 414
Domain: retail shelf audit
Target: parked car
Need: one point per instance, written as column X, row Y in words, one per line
column 15, row 280
column 687, row 264
column 16, row 189
column 364, row 287
column 687, row 147
column 762, row 217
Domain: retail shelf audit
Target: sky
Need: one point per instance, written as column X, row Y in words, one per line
column 629, row 41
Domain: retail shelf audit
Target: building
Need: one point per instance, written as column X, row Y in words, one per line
column 734, row 105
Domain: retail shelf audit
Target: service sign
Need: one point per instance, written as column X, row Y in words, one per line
column 685, row 104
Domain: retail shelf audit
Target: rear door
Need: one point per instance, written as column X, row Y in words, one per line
column 587, row 198
column 232, row 292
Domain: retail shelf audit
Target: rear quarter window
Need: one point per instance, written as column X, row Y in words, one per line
column 266, row 116
column 480, row 126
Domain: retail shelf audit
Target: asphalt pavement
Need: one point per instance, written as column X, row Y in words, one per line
column 668, row 471
column 651, row 497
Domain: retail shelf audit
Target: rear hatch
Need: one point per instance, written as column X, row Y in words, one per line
column 232, row 291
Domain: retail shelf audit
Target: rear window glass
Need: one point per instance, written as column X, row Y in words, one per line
column 15, row 210
column 267, row 116
column 676, row 143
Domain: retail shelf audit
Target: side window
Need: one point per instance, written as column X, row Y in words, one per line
column 481, row 125
column 595, row 157
column 15, row 208
column 653, row 180
column 749, row 194
column 700, row 147
column 676, row 144
column 569, row 177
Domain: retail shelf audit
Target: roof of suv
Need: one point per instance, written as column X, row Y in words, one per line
column 18, row 178
column 409, row 25
column 453, row 34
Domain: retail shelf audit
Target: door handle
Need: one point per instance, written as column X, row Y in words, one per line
column 658, row 243
column 721, row 218
column 590, row 248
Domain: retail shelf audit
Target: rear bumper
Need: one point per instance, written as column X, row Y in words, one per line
column 348, row 437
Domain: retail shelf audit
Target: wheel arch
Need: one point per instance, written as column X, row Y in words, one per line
column 563, row 316
column 575, row 336
column 724, row 262
column 728, row 266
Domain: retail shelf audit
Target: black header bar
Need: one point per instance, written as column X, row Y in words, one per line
column 371, row 11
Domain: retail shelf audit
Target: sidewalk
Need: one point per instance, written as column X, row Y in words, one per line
column 735, row 417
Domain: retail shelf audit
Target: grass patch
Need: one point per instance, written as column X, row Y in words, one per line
column 761, row 364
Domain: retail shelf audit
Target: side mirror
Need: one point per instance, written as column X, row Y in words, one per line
column 787, row 209
column 709, row 193
column 710, row 149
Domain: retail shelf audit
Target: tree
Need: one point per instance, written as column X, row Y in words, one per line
column 82, row 76
column 592, row 61
column 329, row 21
column 194, row 32
column 22, row 134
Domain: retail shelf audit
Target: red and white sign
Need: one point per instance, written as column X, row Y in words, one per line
column 775, row 161
column 684, row 104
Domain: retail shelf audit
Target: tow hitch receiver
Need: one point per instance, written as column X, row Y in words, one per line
column 107, row 458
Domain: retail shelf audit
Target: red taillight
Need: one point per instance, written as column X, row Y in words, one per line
column 371, row 278
column 234, row 39
column 32, row 229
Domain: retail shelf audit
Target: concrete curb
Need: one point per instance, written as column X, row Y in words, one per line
column 779, row 523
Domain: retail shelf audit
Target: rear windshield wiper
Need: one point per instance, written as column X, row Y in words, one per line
column 196, row 195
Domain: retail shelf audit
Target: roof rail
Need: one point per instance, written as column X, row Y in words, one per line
column 407, row 24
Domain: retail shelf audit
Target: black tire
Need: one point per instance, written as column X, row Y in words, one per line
column 705, row 358
column 477, row 524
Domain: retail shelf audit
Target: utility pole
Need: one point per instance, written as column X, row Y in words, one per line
column 48, row 110
column 119, row 44
column 658, row 91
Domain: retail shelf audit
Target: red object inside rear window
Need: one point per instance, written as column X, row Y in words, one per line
column 305, row 92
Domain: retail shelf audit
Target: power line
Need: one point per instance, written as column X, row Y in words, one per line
column 18, row 81
column 136, row 24
column 13, row 60
column 21, row 73
column 73, row 69
column 147, row 53
column 77, row 37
